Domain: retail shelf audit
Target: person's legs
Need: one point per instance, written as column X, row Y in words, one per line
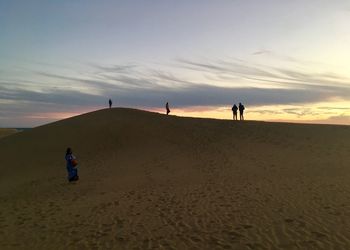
column 75, row 174
column 72, row 174
column 69, row 177
column 75, row 178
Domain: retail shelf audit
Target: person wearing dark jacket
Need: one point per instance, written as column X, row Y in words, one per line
column 241, row 110
column 234, row 110
column 71, row 166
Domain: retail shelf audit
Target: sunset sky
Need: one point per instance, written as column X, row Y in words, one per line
column 284, row 60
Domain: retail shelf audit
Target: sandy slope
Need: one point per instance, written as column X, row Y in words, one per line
column 151, row 181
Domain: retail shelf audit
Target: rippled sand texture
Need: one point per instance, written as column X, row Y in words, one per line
column 150, row 181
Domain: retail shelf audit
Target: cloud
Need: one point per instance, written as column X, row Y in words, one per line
column 188, row 95
column 340, row 119
column 48, row 96
column 261, row 52
column 132, row 85
column 137, row 86
column 114, row 68
column 243, row 69
column 333, row 120
column 334, row 108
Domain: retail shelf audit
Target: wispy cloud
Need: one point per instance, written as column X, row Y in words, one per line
column 138, row 86
column 282, row 77
column 262, row 52
column 150, row 87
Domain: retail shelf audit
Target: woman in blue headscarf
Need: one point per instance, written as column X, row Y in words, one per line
column 71, row 166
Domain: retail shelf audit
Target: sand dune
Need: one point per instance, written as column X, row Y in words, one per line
column 150, row 181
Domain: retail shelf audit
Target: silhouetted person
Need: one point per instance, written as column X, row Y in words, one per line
column 234, row 110
column 241, row 110
column 71, row 166
column 110, row 103
column 167, row 108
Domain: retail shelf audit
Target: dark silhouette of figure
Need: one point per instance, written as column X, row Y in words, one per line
column 167, row 108
column 234, row 110
column 241, row 110
column 71, row 166
column 110, row 103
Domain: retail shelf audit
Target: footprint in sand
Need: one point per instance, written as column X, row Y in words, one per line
column 319, row 235
column 195, row 239
column 247, row 226
column 288, row 220
column 233, row 235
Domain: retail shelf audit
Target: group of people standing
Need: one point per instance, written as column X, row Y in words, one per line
column 72, row 162
column 234, row 110
column 241, row 111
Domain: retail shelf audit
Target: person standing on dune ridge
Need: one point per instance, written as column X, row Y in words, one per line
column 241, row 110
column 110, row 103
column 234, row 110
column 167, row 108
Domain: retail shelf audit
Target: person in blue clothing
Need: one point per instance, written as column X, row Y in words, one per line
column 71, row 166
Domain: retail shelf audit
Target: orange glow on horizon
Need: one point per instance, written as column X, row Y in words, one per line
column 261, row 113
column 321, row 113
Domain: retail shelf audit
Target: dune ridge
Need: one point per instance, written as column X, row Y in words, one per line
column 153, row 181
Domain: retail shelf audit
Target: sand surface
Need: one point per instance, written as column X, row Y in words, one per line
column 150, row 181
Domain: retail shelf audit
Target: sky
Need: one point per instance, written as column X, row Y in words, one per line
column 284, row 60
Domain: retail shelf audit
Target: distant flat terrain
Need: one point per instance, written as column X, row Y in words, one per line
column 151, row 181
column 7, row 131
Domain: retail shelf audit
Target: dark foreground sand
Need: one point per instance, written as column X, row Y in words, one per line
column 149, row 181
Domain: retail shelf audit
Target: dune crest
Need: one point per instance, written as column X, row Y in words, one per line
column 153, row 181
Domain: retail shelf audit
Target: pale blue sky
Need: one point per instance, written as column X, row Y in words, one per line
column 69, row 56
